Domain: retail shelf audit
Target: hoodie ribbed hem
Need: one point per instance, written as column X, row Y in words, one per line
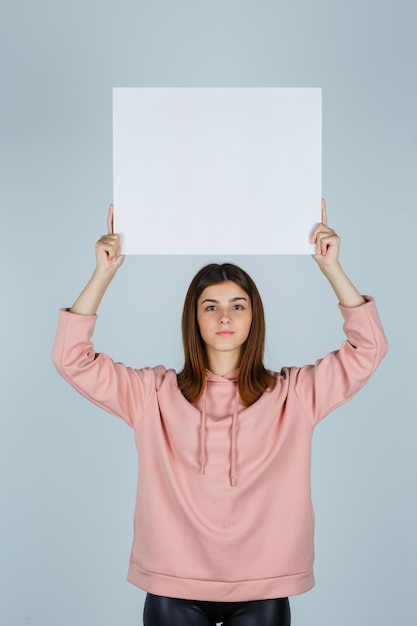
column 218, row 591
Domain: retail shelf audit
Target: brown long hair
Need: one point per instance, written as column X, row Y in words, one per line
column 253, row 378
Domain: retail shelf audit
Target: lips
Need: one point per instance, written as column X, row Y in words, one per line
column 225, row 333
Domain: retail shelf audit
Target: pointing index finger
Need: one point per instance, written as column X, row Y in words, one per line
column 110, row 220
column 323, row 212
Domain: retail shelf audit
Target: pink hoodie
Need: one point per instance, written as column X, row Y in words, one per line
column 223, row 509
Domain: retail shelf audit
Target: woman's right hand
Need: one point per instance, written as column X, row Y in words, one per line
column 108, row 261
column 108, row 257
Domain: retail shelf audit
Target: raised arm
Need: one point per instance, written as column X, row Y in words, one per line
column 327, row 258
column 108, row 261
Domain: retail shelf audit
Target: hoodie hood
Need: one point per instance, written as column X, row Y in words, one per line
column 220, row 391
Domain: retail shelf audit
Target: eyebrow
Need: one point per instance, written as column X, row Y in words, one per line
column 231, row 299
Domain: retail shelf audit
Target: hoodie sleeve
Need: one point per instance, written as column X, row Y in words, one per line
column 334, row 379
column 120, row 390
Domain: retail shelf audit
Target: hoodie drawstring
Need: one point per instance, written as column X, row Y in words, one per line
column 233, row 439
column 203, row 426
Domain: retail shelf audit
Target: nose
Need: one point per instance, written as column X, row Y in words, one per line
column 225, row 318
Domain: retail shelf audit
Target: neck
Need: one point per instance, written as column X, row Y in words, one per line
column 222, row 363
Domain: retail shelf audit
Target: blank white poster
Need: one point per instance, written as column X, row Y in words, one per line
column 217, row 171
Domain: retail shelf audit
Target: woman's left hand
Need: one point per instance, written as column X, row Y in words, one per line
column 327, row 242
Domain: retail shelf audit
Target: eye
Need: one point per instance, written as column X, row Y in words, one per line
column 239, row 307
column 211, row 307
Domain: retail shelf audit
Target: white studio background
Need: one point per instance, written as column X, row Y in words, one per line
column 68, row 469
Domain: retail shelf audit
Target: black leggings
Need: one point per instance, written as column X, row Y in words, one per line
column 163, row 611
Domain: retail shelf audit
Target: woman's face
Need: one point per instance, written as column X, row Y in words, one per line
column 224, row 316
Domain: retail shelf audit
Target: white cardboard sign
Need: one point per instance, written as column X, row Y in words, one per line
column 217, row 171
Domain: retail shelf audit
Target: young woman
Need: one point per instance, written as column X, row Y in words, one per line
column 223, row 527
